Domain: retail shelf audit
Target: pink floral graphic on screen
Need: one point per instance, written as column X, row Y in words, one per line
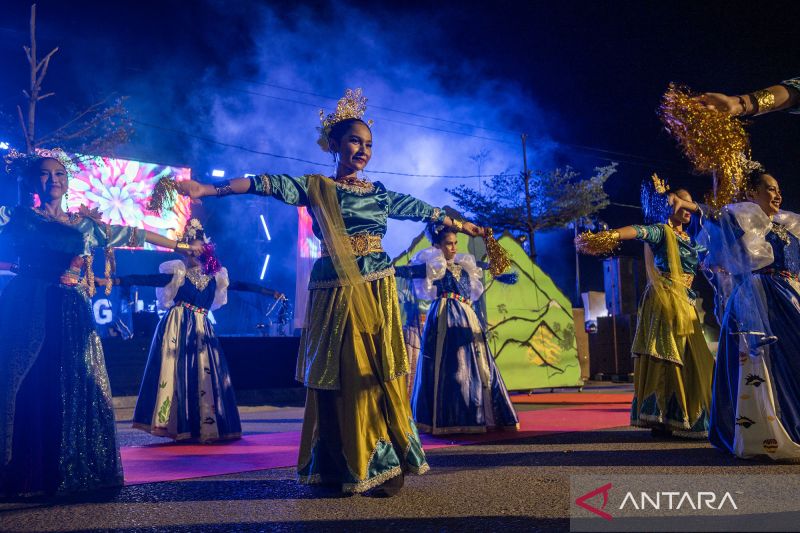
column 120, row 189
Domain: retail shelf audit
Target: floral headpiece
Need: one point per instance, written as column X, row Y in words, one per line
column 352, row 105
column 13, row 157
column 208, row 258
column 193, row 231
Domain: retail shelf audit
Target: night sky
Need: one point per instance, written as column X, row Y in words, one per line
column 583, row 79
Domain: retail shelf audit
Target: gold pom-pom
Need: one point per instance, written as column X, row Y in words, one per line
column 713, row 142
column 499, row 259
column 165, row 194
column 600, row 243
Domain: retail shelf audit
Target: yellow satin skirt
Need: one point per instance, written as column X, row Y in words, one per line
column 672, row 374
column 362, row 433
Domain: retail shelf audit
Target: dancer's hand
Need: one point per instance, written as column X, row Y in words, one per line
column 721, row 102
column 194, row 189
column 195, row 249
column 472, row 230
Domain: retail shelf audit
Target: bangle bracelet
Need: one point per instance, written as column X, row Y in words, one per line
column 458, row 224
column 765, row 101
column 223, row 188
column 182, row 246
column 743, row 104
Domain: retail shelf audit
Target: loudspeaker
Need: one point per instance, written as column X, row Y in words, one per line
column 625, row 281
column 610, row 347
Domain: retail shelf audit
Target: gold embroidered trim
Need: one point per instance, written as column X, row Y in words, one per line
column 333, row 283
column 197, row 278
column 781, row 231
column 266, row 185
column 371, row 483
column 455, row 269
column 436, row 214
column 355, row 185
column 362, row 244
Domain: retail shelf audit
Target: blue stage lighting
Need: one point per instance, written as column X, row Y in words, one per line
column 264, row 268
column 266, row 229
column 217, row 173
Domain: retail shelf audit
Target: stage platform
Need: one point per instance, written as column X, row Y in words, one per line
column 257, row 364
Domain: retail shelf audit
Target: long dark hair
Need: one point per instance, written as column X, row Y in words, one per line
column 436, row 232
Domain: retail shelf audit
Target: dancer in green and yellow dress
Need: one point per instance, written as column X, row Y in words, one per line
column 673, row 366
column 358, row 432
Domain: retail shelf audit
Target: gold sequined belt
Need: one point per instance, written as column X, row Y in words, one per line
column 194, row 308
column 685, row 278
column 456, row 296
column 361, row 243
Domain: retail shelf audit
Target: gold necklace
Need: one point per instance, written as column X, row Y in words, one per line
column 63, row 218
column 781, row 231
column 354, row 184
column 455, row 269
column 680, row 233
column 197, row 278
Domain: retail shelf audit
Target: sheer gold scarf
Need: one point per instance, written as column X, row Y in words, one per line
column 668, row 288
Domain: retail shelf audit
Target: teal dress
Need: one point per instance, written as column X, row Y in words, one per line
column 57, row 432
column 672, row 372
column 358, row 431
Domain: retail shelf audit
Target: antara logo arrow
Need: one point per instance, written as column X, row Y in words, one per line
column 581, row 501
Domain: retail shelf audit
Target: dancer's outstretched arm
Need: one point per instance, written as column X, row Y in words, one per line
column 785, row 95
column 291, row 191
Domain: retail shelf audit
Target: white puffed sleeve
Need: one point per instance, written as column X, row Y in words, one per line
column 435, row 267
column 221, row 292
column 467, row 262
column 755, row 224
column 166, row 295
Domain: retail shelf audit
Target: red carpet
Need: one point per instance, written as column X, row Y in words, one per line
column 169, row 462
column 573, row 398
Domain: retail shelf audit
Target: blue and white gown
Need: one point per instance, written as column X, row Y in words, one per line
column 756, row 396
column 457, row 388
column 186, row 391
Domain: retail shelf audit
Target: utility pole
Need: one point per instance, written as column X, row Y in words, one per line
column 526, row 176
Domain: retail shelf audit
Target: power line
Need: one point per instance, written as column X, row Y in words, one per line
column 290, row 158
column 645, row 162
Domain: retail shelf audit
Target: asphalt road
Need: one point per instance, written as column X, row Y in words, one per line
column 520, row 485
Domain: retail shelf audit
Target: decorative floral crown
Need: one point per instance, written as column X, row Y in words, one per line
column 13, row 156
column 659, row 185
column 352, row 105
column 193, row 231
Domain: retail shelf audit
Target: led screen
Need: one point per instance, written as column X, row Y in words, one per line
column 120, row 189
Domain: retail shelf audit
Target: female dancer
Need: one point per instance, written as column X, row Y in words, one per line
column 672, row 363
column 57, row 431
column 357, row 430
column 186, row 391
column 756, row 406
column 457, row 388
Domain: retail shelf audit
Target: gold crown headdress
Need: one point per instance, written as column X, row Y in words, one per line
column 659, row 185
column 42, row 153
column 352, row 105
